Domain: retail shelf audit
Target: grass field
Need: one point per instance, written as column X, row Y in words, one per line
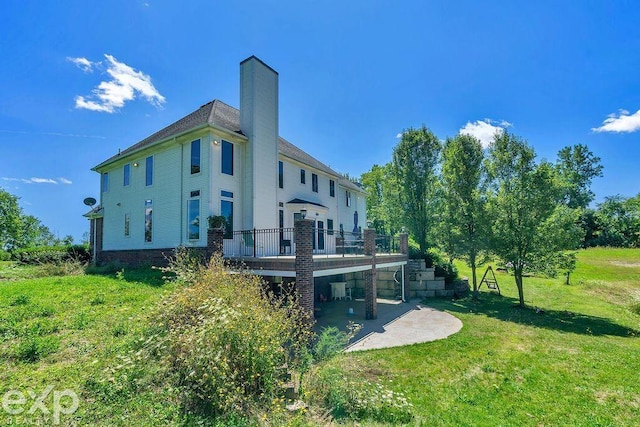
column 574, row 362
column 64, row 331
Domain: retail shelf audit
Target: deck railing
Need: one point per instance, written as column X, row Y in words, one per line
column 279, row 242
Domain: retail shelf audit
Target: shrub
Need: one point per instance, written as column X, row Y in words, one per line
column 108, row 268
column 332, row 341
column 359, row 399
column 65, row 268
column 183, row 267
column 52, row 254
column 4, row 255
column 226, row 342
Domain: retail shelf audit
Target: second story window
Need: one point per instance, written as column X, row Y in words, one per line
column 280, row 175
column 227, row 158
column 348, row 198
column 195, row 156
column 332, row 188
column 303, row 178
column 105, row 182
column 314, row 182
column 149, row 171
column 127, row 175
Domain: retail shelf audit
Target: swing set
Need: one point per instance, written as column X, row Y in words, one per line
column 490, row 280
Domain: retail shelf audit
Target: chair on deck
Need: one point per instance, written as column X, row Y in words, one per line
column 249, row 244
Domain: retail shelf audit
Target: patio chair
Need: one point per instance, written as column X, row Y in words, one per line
column 247, row 239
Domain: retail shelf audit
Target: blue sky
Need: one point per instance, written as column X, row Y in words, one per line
column 79, row 80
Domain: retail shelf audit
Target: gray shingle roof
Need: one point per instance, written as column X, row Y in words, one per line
column 219, row 114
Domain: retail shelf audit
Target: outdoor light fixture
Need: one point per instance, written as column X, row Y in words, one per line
column 135, row 165
column 303, row 213
column 403, row 229
column 369, row 224
column 215, row 142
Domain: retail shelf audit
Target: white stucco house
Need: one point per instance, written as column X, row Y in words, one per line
column 220, row 161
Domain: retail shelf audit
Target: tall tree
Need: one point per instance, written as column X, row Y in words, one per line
column 415, row 161
column 528, row 222
column 576, row 167
column 383, row 209
column 10, row 220
column 618, row 220
column 465, row 227
column 18, row 230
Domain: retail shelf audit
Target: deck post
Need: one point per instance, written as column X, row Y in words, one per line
column 370, row 287
column 404, row 249
column 303, row 235
column 214, row 242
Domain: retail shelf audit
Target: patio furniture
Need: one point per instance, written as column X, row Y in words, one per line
column 247, row 239
column 286, row 243
column 338, row 290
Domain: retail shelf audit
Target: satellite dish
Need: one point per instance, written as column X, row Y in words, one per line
column 89, row 201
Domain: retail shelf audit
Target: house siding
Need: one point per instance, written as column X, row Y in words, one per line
column 293, row 189
column 346, row 213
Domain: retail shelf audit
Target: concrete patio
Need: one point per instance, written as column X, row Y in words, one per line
column 397, row 324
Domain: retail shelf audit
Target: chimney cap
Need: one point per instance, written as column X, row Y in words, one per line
column 253, row 57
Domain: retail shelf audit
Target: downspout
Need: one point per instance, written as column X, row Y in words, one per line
column 402, row 284
column 95, row 244
column 181, row 191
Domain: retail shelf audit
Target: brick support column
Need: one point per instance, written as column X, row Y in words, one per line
column 404, row 249
column 404, row 243
column 370, row 287
column 214, row 242
column 303, row 231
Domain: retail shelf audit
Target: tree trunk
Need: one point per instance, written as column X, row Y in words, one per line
column 518, row 276
column 475, row 280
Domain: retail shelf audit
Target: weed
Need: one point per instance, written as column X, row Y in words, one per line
column 97, row 300
column 358, row 399
column 332, row 341
column 81, row 321
column 34, row 347
column 19, row 300
column 119, row 330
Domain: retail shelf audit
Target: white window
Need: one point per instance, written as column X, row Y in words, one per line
column 148, row 220
column 193, row 219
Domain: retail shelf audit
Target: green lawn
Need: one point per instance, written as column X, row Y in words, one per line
column 64, row 331
column 576, row 362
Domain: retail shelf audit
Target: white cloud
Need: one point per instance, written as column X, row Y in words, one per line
column 399, row 135
column 63, row 180
column 621, row 122
column 37, row 180
column 65, row 135
column 83, row 63
column 484, row 130
column 124, row 85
